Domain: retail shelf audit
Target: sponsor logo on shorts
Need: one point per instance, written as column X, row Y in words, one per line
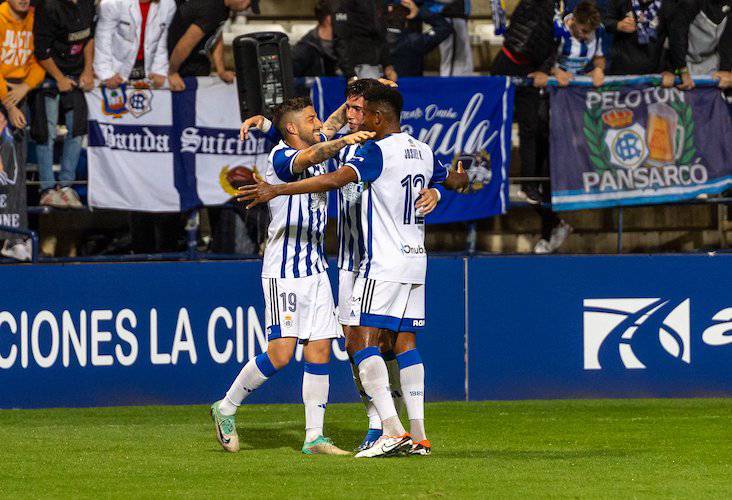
column 418, row 322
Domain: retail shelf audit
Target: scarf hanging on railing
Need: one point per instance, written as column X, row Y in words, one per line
column 646, row 20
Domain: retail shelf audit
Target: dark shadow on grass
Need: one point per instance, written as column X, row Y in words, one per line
column 535, row 454
column 291, row 436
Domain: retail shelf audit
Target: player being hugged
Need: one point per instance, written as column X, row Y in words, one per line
column 297, row 294
column 389, row 291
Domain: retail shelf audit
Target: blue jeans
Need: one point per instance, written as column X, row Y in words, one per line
column 71, row 149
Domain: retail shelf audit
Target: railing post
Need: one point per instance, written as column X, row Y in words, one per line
column 192, row 226
column 620, row 230
column 472, row 237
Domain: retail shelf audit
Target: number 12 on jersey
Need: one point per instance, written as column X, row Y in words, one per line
column 412, row 184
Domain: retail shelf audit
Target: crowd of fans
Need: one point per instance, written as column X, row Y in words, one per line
column 54, row 50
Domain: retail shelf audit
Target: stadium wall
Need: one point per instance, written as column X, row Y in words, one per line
column 498, row 328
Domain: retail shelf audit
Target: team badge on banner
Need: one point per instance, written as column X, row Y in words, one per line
column 462, row 119
column 638, row 144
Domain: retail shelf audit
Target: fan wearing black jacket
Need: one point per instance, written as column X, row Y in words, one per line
column 640, row 34
column 704, row 29
column 360, row 39
column 314, row 54
column 409, row 45
column 529, row 49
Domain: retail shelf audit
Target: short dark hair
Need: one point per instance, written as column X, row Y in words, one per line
column 360, row 86
column 322, row 10
column 383, row 96
column 291, row 105
column 587, row 14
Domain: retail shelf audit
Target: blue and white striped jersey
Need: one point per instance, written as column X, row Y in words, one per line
column 575, row 56
column 295, row 243
column 351, row 244
column 393, row 171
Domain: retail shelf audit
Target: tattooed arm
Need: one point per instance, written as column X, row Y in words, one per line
column 335, row 122
column 321, row 151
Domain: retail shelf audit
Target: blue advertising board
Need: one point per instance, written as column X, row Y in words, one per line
column 600, row 326
column 497, row 328
column 169, row 333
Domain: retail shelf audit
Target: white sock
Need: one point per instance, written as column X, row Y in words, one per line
column 374, row 419
column 395, row 384
column 315, row 386
column 412, row 378
column 255, row 373
column 375, row 380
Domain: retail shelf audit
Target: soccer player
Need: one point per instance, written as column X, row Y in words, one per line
column 351, row 241
column 297, row 294
column 389, row 291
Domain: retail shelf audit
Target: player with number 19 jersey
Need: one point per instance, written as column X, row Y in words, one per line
column 298, row 296
column 389, row 292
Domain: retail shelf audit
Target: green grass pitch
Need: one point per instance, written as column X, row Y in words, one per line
column 594, row 448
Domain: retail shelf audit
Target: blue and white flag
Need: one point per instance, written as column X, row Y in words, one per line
column 466, row 119
column 162, row 151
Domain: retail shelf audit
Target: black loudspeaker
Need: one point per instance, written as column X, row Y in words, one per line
column 263, row 72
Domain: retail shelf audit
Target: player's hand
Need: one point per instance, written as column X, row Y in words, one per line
column 388, row 83
column 687, row 82
column 358, row 137
column 463, row 179
column 427, row 201
column 176, row 83
column 258, row 193
column 725, row 79
column 256, row 121
column 540, row 78
column 598, row 77
column 667, row 79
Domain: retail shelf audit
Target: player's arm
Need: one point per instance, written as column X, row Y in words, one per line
column 261, row 192
column 318, row 153
column 335, row 122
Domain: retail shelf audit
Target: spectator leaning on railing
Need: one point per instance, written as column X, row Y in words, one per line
column 579, row 44
column 529, row 49
column 704, row 29
column 194, row 37
column 64, row 46
column 360, row 39
column 131, row 41
column 408, row 47
column 314, row 54
column 641, row 31
column 19, row 73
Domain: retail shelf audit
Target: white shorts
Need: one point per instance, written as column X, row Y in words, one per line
column 398, row 307
column 346, row 281
column 300, row 307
